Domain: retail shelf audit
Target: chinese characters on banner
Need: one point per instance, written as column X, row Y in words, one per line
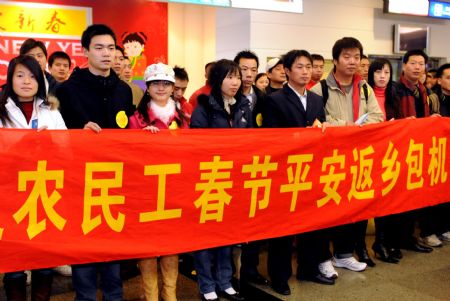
column 141, row 27
column 137, row 194
column 58, row 26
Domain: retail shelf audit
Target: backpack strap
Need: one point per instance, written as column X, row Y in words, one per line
column 366, row 92
column 323, row 84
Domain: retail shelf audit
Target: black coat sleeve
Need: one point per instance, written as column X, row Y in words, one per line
column 199, row 118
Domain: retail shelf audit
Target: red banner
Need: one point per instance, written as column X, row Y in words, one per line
column 75, row 196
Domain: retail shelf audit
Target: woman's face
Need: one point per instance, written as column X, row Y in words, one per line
column 381, row 77
column 262, row 82
column 160, row 91
column 24, row 83
column 230, row 85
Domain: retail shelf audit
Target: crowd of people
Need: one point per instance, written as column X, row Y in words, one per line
column 291, row 93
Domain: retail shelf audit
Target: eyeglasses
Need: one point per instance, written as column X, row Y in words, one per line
column 158, row 83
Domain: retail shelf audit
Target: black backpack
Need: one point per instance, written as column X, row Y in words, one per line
column 323, row 84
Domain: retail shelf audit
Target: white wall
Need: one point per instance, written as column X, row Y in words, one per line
column 192, row 40
column 198, row 34
column 325, row 21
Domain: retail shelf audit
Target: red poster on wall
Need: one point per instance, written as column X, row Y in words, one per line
column 140, row 27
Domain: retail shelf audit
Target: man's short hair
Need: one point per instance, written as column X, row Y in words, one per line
column 121, row 50
column 29, row 44
column 58, row 55
column 346, row 43
column 441, row 70
column 181, row 73
column 317, row 57
column 246, row 54
column 290, row 57
column 414, row 52
column 95, row 30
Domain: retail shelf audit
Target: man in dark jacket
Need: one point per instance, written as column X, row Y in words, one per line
column 248, row 63
column 95, row 98
column 293, row 106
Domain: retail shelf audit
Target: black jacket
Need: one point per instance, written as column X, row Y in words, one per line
column 283, row 109
column 258, row 107
column 52, row 83
column 87, row 97
column 210, row 114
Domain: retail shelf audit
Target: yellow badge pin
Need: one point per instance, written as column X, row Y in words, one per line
column 122, row 119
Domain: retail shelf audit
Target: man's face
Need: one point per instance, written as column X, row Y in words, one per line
column 300, row 73
column 249, row 71
column 127, row 71
column 317, row 70
column 364, row 68
column 118, row 62
column 60, row 69
column 348, row 61
column 277, row 74
column 100, row 54
column 414, row 68
column 39, row 55
column 179, row 88
column 444, row 81
column 431, row 79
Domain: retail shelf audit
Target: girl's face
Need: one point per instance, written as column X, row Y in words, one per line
column 133, row 49
column 381, row 77
column 230, row 85
column 160, row 91
column 25, row 85
column 262, row 83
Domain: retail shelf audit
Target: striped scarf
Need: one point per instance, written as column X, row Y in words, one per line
column 407, row 98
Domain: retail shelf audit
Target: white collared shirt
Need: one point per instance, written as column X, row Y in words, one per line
column 301, row 97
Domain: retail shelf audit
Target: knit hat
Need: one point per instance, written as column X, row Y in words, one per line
column 159, row 71
column 272, row 63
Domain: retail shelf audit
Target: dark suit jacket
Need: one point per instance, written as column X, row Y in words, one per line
column 283, row 109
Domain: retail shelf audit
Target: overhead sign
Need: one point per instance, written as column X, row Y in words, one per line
column 290, row 6
column 22, row 19
column 439, row 9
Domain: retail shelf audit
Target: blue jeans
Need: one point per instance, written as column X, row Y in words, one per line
column 84, row 279
column 214, row 269
column 21, row 274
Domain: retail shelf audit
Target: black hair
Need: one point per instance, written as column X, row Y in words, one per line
column 58, row 55
column 346, row 43
column 441, row 70
column 95, row 30
column 364, row 57
column 219, row 71
column 259, row 75
column 29, row 44
column 317, row 57
column 8, row 92
column 121, row 50
column 181, row 73
column 413, row 52
column 246, row 54
column 209, row 64
column 391, row 103
column 290, row 57
column 134, row 36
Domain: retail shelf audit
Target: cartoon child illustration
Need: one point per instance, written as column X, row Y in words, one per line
column 133, row 44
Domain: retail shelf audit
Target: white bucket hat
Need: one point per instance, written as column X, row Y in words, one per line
column 159, row 71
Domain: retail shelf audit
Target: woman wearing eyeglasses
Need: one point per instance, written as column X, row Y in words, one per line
column 157, row 110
